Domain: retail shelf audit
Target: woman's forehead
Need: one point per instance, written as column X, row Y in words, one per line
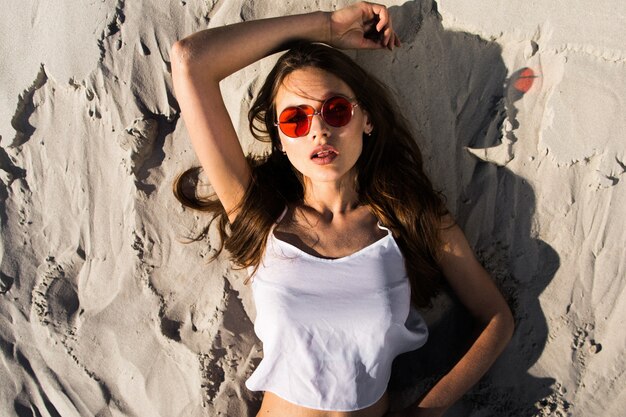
column 313, row 84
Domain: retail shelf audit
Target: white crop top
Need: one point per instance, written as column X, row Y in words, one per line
column 331, row 327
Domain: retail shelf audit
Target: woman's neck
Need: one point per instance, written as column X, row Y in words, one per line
column 330, row 202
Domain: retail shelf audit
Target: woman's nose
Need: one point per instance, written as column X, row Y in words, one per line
column 318, row 126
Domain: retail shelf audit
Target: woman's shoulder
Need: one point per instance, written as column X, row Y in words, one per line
column 447, row 221
column 453, row 240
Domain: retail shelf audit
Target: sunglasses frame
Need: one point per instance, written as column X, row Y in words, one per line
column 352, row 101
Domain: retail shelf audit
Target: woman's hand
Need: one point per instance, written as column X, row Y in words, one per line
column 362, row 26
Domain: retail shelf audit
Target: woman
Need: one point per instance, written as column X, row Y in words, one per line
column 339, row 228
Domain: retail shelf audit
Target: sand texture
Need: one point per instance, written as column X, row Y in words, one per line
column 105, row 312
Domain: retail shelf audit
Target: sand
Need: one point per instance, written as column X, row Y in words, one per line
column 105, row 312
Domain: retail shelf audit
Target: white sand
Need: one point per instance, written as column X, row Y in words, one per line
column 104, row 312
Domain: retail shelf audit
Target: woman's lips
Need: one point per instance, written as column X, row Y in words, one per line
column 323, row 148
column 327, row 158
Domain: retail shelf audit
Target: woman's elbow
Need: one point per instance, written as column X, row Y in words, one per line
column 179, row 53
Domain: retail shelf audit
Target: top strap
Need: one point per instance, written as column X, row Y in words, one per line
column 283, row 214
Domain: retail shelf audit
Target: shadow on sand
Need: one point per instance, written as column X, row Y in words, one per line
column 460, row 82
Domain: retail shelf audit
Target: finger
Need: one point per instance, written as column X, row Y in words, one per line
column 398, row 43
column 369, row 11
column 395, row 41
column 371, row 44
column 383, row 16
column 387, row 37
column 392, row 41
column 385, row 28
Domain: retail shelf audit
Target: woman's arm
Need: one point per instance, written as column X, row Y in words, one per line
column 476, row 290
column 202, row 59
column 199, row 62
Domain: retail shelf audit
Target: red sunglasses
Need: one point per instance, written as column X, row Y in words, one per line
column 295, row 121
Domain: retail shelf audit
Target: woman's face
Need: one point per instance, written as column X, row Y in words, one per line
column 311, row 86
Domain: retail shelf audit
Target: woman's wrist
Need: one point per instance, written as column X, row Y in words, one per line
column 328, row 25
column 321, row 28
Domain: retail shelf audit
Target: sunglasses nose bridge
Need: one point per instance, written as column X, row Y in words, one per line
column 311, row 112
column 322, row 125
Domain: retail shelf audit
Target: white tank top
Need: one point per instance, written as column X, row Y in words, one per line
column 331, row 327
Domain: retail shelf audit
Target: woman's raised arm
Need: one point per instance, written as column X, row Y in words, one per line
column 202, row 59
column 199, row 62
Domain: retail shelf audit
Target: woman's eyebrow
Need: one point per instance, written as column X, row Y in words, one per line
column 321, row 100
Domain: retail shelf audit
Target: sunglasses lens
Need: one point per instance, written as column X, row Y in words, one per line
column 294, row 121
column 337, row 111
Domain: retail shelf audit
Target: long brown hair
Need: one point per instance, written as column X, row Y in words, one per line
column 390, row 176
